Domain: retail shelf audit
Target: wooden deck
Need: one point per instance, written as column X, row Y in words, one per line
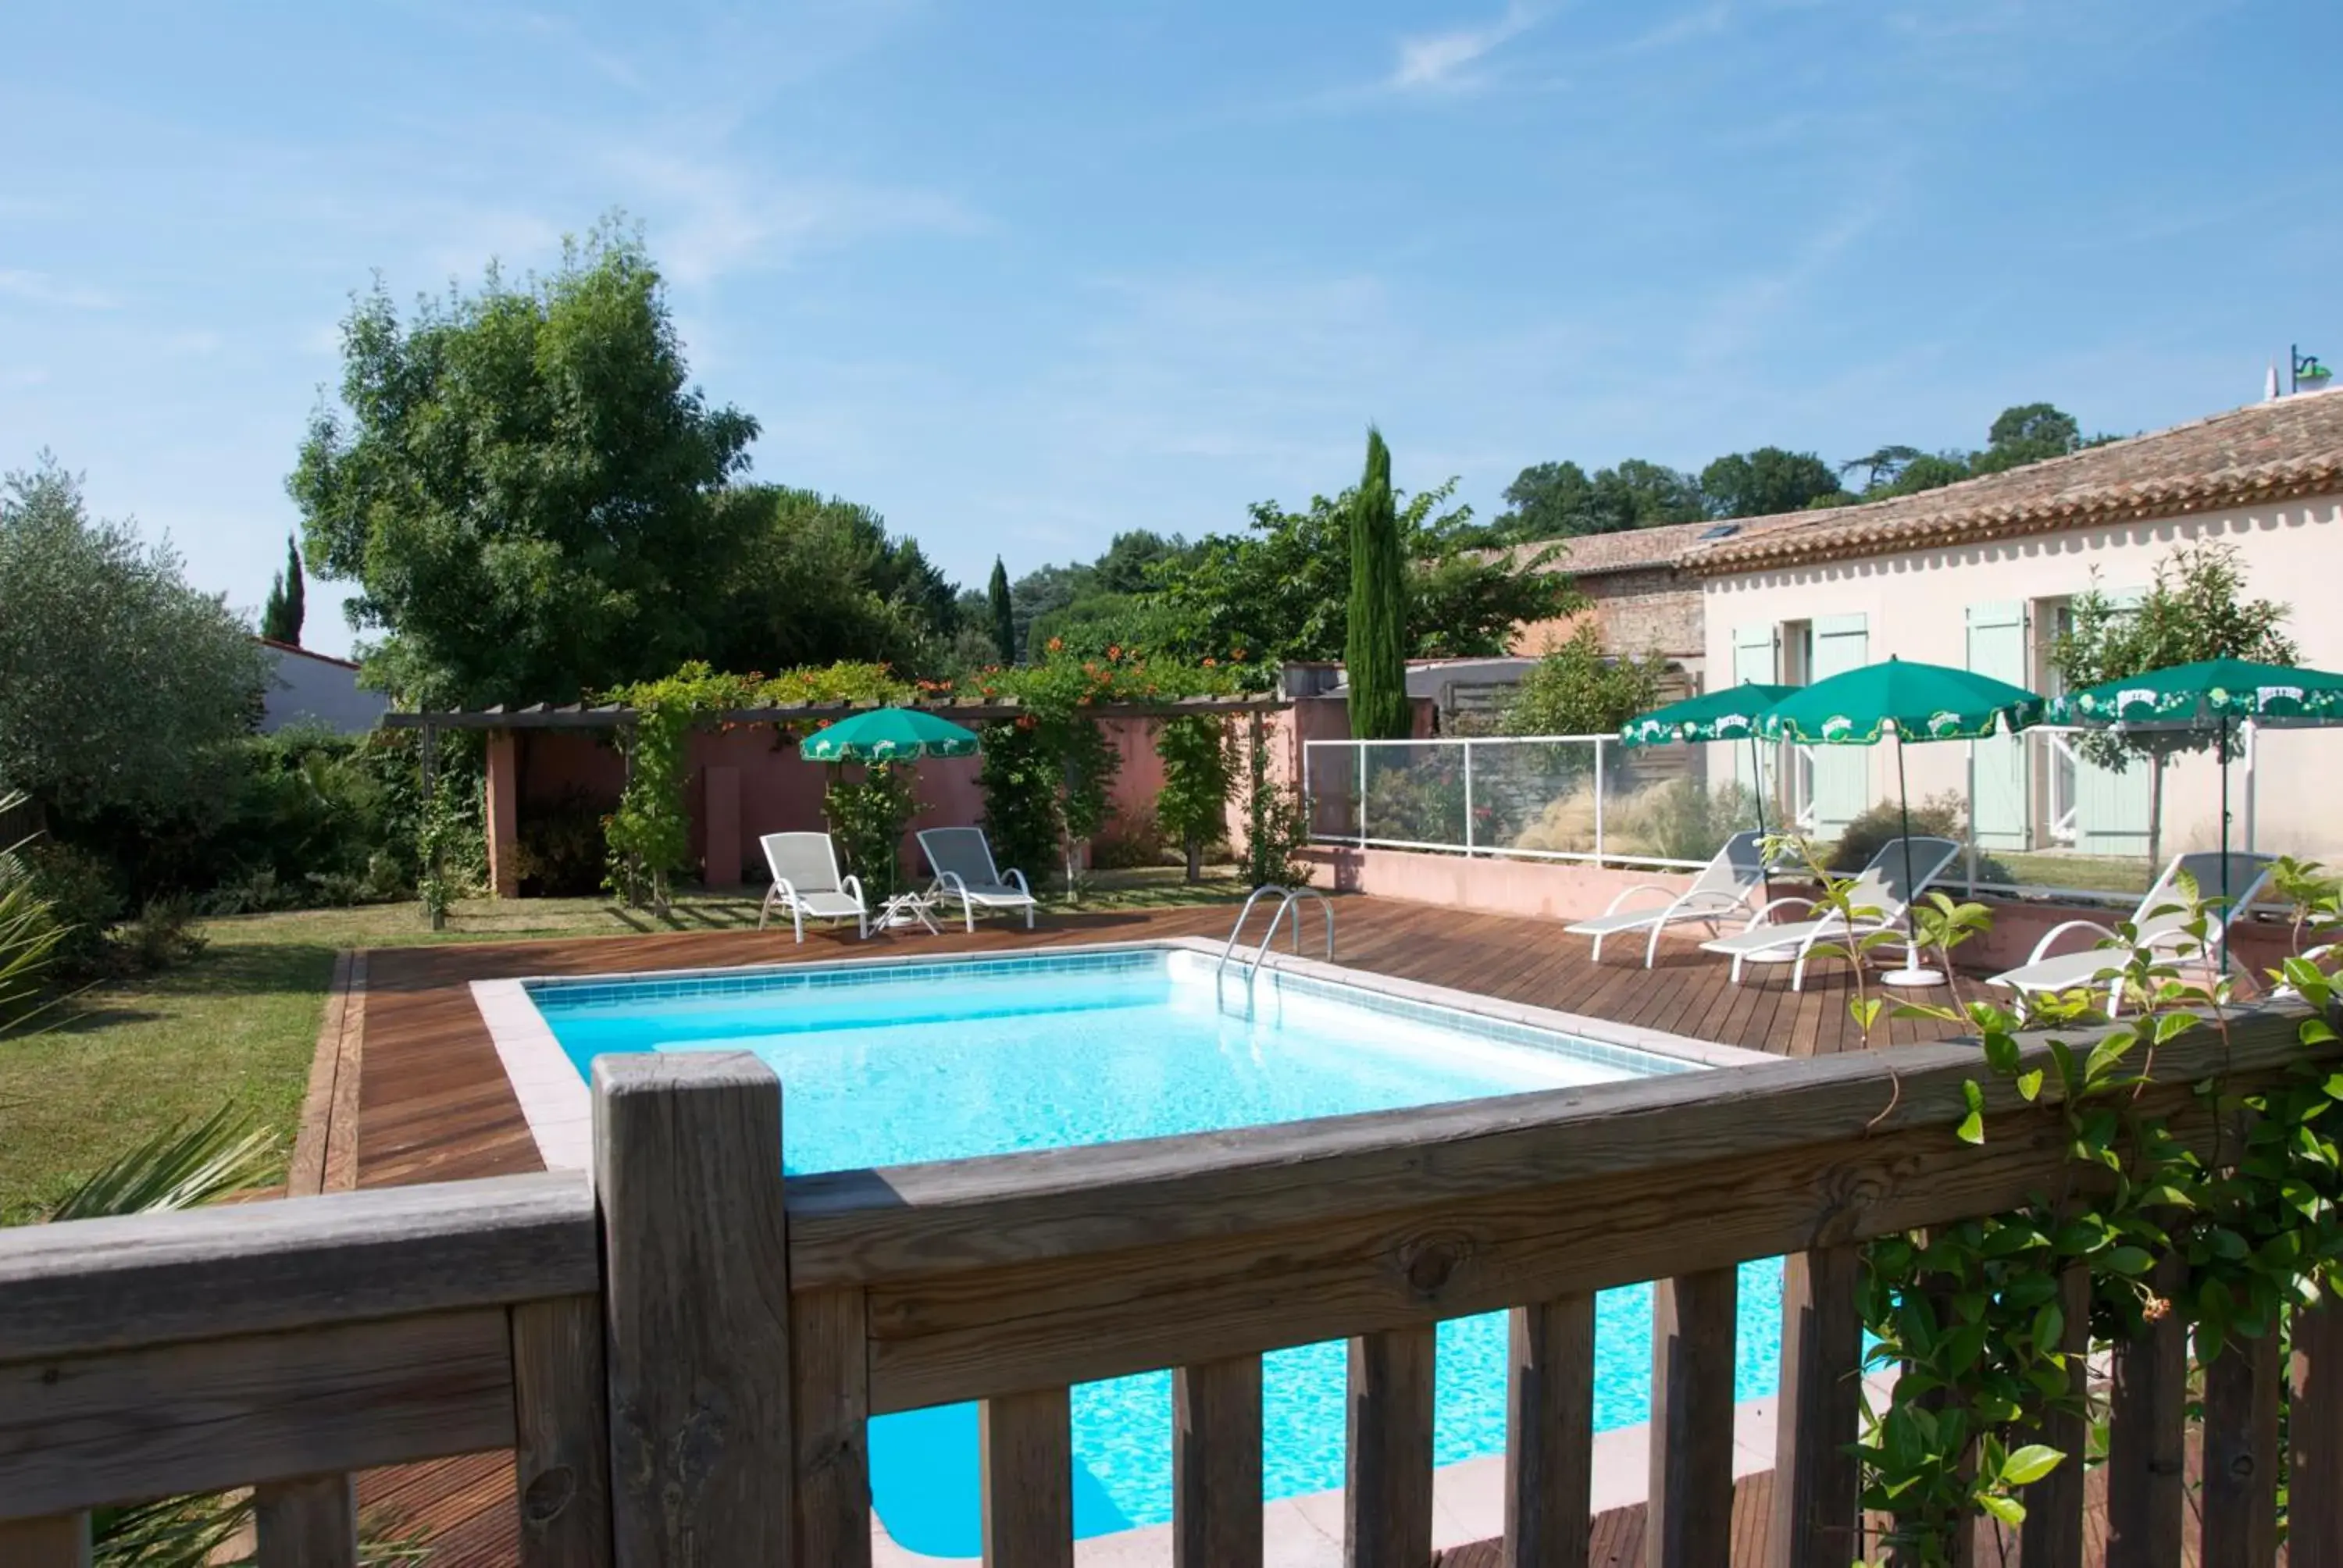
column 431, row 1103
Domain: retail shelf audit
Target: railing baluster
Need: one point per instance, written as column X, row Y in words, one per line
column 2146, row 1437
column 1816, row 1481
column 59, row 1540
column 2051, row 1535
column 1026, row 1466
column 2241, row 1416
column 1550, row 1434
column 561, row 1433
column 1387, row 1491
column 687, row 1171
column 306, row 1524
column 829, row 1407
column 1216, row 1464
column 1689, row 1520
column 2314, row 1426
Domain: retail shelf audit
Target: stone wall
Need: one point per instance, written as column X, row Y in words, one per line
column 1647, row 611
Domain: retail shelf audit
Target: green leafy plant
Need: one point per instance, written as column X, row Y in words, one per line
column 1192, row 807
column 867, row 816
column 1375, row 650
column 1973, row 1312
column 1575, row 688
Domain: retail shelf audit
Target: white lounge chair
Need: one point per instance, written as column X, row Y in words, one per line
column 1879, row 897
column 807, row 884
column 2161, row 922
column 962, row 863
column 1722, row 887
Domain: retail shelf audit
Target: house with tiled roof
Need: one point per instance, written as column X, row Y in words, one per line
column 1636, row 594
column 1980, row 575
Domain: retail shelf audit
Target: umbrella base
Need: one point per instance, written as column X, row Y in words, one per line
column 1912, row 979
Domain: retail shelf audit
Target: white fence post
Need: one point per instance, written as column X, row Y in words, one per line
column 1361, row 747
column 1598, row 800
column 1468, row 798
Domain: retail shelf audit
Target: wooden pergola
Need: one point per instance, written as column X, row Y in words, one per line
column 500, row 723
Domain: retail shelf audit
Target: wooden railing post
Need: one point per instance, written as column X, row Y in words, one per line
column 1025, row 1462
column 1387, row 1491
column 561, row 1433
column 829, row 1406
column 1216, row 1464
column 2051, row 1535
column 1550, row 1434
column 2314, row 1427
column 1689, row 1518
column 2241, row 1419
column 306, row 1524
column 1817, row 1480
column 696, row 1311
column 2148, row 1418
column 59, row 1541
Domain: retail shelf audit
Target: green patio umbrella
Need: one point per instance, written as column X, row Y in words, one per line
column 1911, row 702
column 2212, row 694
column 1728, row 713
column 888, row 735
column 884, row 737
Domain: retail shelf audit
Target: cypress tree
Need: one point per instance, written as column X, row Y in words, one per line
column 280, row 618
column 1004, row 616
column 1375, row 651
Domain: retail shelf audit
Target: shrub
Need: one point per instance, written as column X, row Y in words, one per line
column 561, row 846
column 867, row 818
column 1942, row 816
column 1575, row 689
column 83, row 900
column 1192, row 807
column 1421, row 804
column 1682, row 819
column 1019, row 774
column 1131, row 840
column 163, row 934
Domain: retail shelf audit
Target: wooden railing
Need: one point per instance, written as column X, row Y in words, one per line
column 685, row 1358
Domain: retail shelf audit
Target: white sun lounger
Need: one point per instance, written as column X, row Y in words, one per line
column 962, row 863
column 2161, row 922
column 1879, row 897
column 1722, row 887
column 806, row 883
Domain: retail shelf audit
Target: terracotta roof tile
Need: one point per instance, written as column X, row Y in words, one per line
column 2264, row 451
column 1636, row 549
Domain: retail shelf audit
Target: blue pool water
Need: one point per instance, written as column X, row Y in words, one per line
column 893, row 1064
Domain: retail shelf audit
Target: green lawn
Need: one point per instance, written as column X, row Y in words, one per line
column 240, row 1022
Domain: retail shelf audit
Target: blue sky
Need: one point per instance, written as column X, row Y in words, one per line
column 1022, row 275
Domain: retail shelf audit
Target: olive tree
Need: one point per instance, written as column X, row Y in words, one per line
column 118, row 681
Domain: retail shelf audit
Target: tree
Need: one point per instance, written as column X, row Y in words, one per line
column 1881, row 468
column 119, row 683
column 1005, row 614
column 1765, row 482
column 1557, row 500
column 1575, row 689
column 1375, row 641
column 280, row 618
column 520, row 482
column 809, row 579
column 1192, row 807
column 1281, row 589
column 2193, row 610
column 2027, row 433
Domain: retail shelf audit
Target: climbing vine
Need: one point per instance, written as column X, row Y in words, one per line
column 2224, row 1243
column 868, row 816
column 648, row 839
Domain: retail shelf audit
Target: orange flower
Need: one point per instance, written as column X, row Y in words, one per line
column 1114, row 650
column 1027, row 722
column 1238, row 656
column 1056, row 645
column 1210, row 663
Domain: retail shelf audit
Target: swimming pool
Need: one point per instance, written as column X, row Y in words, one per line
column 893, row 1064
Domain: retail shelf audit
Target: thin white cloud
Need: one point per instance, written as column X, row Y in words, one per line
column 1444, row 62
column 42, row 288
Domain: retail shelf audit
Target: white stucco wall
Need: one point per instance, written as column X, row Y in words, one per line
column 316, row 691
column 1915, row 607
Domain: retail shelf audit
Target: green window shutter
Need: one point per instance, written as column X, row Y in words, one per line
column 1842, row 773
column 2002, row 793
column 2111, row 808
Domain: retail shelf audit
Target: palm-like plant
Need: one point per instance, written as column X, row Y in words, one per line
column 192, row 1162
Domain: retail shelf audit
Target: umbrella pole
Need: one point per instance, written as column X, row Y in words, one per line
column 1911, row 974
column 2227, row 913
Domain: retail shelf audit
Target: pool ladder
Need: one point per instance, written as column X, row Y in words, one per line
column 1288, row 898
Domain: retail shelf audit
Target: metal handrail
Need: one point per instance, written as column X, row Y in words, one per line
column 1293, row 901
column 1246, row 913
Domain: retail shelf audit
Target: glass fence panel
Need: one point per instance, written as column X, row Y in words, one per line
column 1535, row 796
column 1414, row 794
